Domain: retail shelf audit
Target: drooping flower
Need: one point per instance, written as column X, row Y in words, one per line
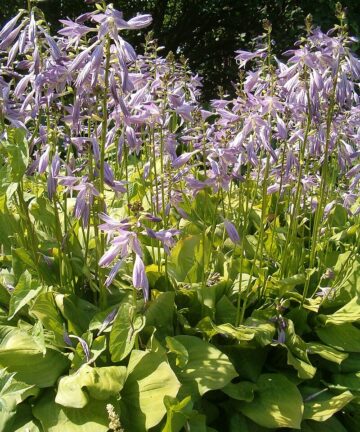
column 140, row 280
column 231, row 231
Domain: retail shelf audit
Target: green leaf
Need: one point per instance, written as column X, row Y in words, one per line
column 43, row 212
column 277, row 403
column 18, row 153
column 239, row 423
column 12, row 392
column 241, row 333
column 97, row 347
column 25, row 290
column 347, row 314
column 207, row 367
column 56, row 418
column 177, row 348
column 349, row 286
column 21, row 421
column 331, row 425
column 248, row 360
column 351, row 363
column 243, row 391
column 326, row 352
column 45, row 310
column 21, row 354
column 99, row 383
column 297, row 355
column 187, row 257
column 344, row 337
column 225, row 311
column 21, row 261
column 197, row 423
column 350, row 380
column 292, row 281
column 76, row 311
column 323, row 407
column 338, row 216
column 149, row 380
column 124, row 330
column 305, row 370
column 160, row 314
column 10, row 191
column 177, row 413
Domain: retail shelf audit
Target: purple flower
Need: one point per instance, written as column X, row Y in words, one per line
column 44, row 160
column 84, row 201
column 9, row 26
column 165, row 236
column 183, row 159
column 140, row 280
column 111, row 225
column 140, row 21
column 231, row 231
column 113, row 272
column 244, row 56
column 185, row 111
column 84, row 346
column 52, row 178
column 8, row 39
column 73, row 30
column 107, row 321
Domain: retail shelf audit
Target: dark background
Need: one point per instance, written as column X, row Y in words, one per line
column 208, row 32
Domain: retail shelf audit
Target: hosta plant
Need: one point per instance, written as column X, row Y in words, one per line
column 167, row 267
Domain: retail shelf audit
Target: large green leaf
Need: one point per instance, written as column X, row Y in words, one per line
column 347, row 314
column 321, row 408
column 99, row 383
column 248, row 361
column 20, row 353
column 76, row 311
column 56, row 418
column 344, row 337
column 160, row 314
column 149, row 380
column 351, row 363
column 277, row 403
column 241, row 333
column 45, row 310
column 187, row 258
column 26, row 289
column 176, row 348
column 350, row 380
column 125, row 329
column 326, row 352
column 207, row 367
column 243, row 390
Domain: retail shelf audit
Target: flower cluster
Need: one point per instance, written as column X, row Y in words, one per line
column 126, row 134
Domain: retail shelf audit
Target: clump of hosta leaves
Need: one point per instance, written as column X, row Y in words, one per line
column 167, row 267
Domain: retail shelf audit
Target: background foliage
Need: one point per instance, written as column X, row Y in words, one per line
column 207, row 32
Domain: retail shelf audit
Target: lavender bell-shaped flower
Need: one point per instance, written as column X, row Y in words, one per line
column 140, row 280
column 231, row 231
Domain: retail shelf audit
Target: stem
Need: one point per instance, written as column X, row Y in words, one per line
column 101, row 207
column 319, row 209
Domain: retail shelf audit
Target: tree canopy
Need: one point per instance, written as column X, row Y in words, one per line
column 207, row 32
